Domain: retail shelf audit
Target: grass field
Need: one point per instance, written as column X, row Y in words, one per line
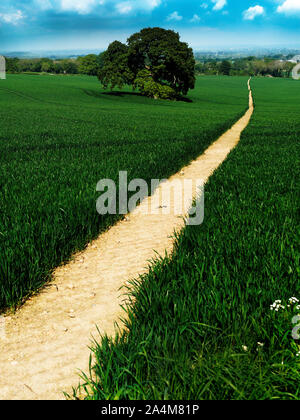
column 201, row 326
column 60, row 135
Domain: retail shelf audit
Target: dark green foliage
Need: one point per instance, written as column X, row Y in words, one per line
column 148, row 87
column 69, row 67
column 225, row 68
column 57, row 68
column 47, row 66
column 115, row 71
column 12, row 65
column 61, row 135
column 89, row 64
column 155, row 54
column 169, row 60
column 101, row 58
column 43, row 65
column 197, row 318
column 249, row 66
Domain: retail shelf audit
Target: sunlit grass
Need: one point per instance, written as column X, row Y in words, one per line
column 60, row 135
column 202, row 326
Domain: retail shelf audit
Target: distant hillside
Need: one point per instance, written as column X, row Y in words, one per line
column 50, row 54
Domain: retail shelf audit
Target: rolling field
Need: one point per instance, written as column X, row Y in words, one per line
column 60, row 135
column 202, row 326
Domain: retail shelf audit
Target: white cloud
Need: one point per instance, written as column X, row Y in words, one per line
column 195, row 19
column 253, row 12
column 86, row 6
column 80, row 6
column 289, row 7
column 220, row 4
column 125, row 7
column 174, row 16
column 44, row 4
column 12, row 18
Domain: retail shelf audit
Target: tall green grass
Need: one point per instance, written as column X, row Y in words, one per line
column 201, row 326
column 60, row 135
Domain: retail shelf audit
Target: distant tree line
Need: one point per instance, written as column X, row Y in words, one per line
column 250, row 66
column 114, row 75
column 90, row 64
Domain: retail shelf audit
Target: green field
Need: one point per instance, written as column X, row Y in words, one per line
column 60, row 135
column 201, row 326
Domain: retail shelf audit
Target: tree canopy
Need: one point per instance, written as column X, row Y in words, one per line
column 154, row 60
column 115, row 71
column 89, row 64
column 225, row 67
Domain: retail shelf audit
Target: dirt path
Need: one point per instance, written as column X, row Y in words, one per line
column 44, row 344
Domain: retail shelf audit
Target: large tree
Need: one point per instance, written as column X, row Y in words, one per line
column 169, row 60
column 154, row 60
column 115, row 71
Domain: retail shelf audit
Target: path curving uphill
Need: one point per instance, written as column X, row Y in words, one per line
column 45, row 343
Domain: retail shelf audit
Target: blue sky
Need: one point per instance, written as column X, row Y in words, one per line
column 91, row 24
